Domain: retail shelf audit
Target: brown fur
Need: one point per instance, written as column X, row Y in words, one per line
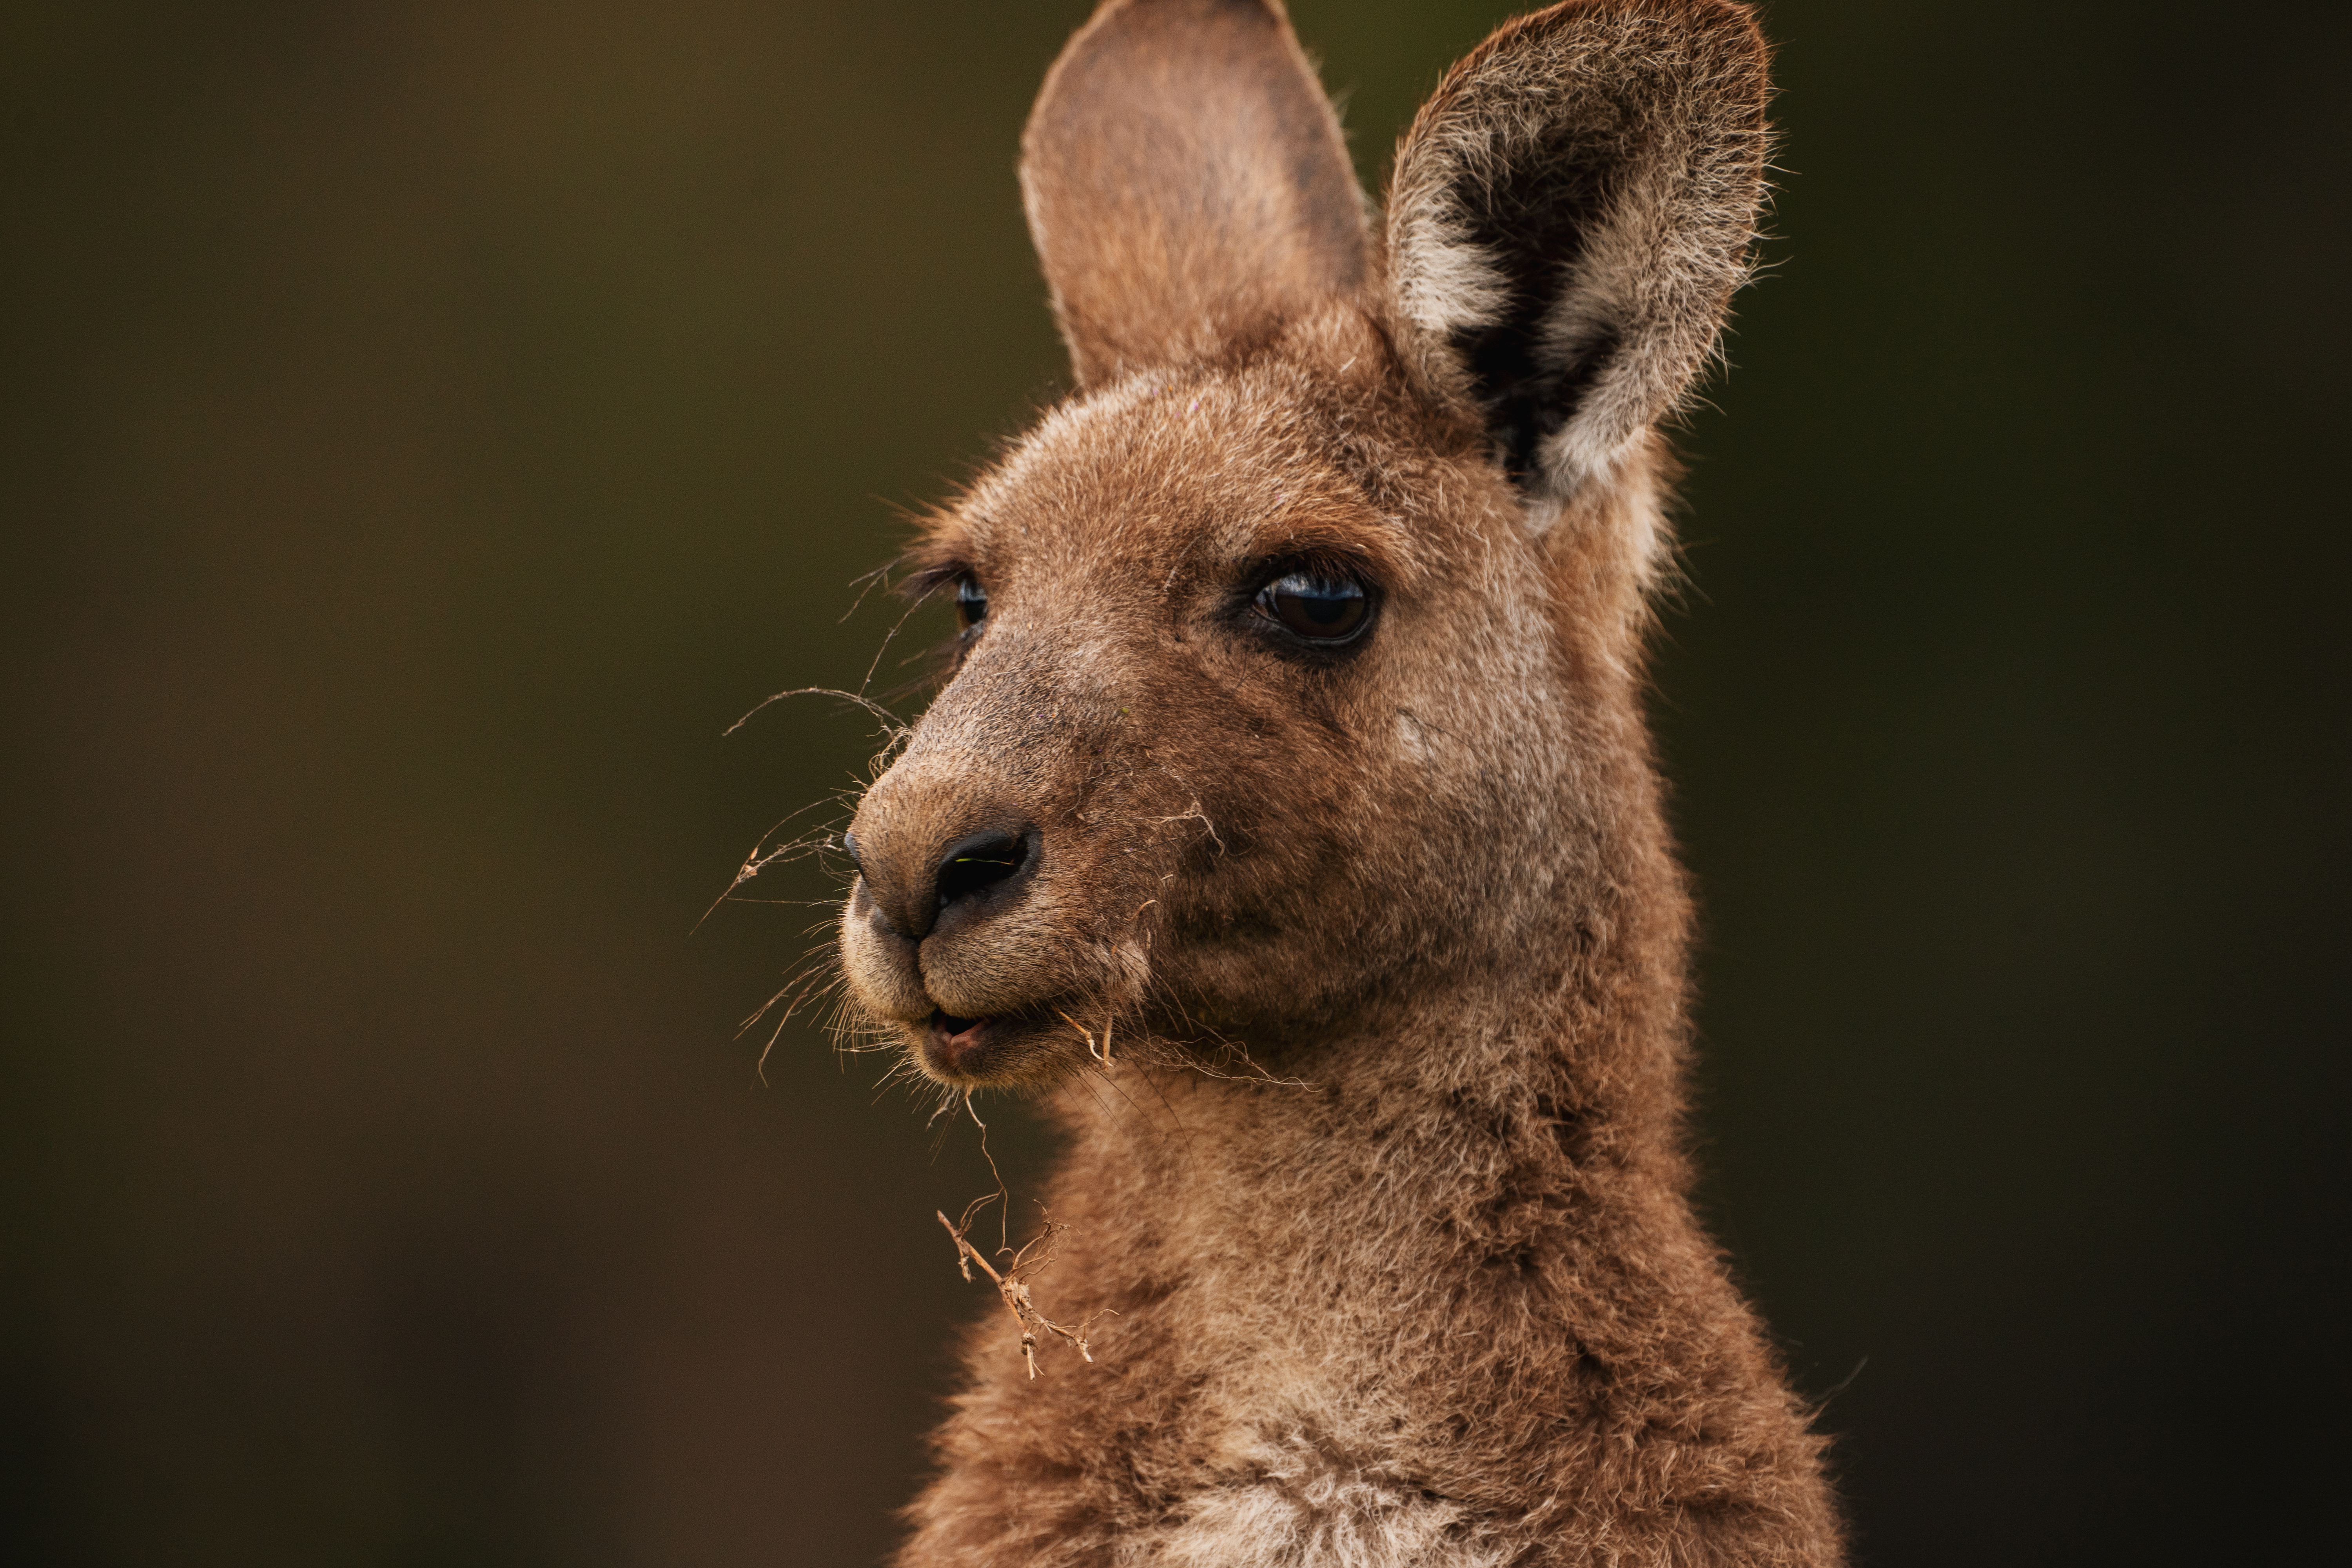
column 1385, row 1175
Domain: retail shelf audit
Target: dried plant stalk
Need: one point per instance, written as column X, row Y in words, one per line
column 1012, row 1283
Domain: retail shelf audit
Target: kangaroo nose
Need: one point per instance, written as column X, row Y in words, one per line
column 959, row 884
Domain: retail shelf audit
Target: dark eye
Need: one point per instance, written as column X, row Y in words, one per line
column 1319, row 605
column 971, row 601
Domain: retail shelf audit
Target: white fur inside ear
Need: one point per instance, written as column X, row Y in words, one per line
column 1445, row 283
column 1570, row 217
column 1625, row 277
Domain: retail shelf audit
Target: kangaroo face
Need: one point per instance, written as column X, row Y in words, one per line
column 1255, row 660
column 1292, row 640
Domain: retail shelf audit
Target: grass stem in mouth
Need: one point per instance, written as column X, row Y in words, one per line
column 1102, row 1055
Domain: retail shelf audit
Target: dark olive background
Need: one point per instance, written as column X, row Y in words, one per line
column 428, row 426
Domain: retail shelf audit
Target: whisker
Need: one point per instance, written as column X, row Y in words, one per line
column 891, row 719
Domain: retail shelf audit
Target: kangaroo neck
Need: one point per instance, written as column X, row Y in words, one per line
column 1468, row 1133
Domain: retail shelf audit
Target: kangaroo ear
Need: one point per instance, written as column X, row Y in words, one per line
column 1570, row 214
column 1187, row 185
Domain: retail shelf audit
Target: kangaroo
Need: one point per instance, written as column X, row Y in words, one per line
column 1287, row 822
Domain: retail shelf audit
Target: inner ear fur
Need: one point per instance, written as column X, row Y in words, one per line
column 1570, row 214
column 1187, row 185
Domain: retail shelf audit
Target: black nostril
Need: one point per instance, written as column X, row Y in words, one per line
column 976, row 864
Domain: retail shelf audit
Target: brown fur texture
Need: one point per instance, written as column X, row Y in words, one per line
column 1356, row 973
column 1186, row 142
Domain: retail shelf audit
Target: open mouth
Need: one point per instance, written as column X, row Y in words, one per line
column 957, row 1046
column 1003, row 1048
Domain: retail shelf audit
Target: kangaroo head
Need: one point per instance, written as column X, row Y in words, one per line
column 1298, row 680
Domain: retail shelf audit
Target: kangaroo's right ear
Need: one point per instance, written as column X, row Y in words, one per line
column 1187, row 185
column 1570, row 213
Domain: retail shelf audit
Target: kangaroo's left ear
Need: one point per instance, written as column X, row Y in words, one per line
column 1570, row 214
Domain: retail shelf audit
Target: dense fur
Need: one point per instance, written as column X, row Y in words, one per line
column 1574, row 218
column 1384, row 1172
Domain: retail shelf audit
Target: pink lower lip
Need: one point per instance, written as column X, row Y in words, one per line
column 954, row 1041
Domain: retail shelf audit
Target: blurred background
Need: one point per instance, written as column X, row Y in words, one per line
column 428, row 426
